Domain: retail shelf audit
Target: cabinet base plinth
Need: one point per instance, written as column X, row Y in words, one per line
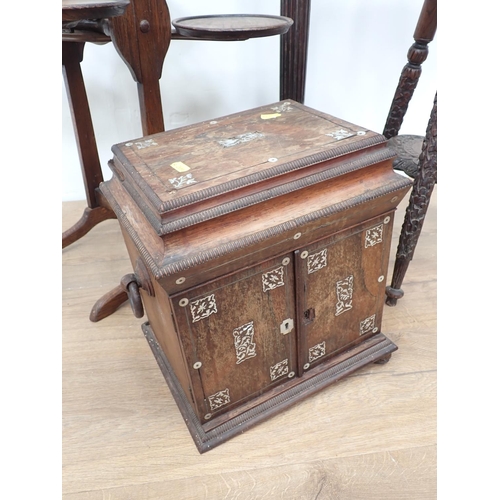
column 377, row 348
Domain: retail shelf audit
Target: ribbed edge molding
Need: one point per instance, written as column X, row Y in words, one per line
column 182, row 201
column 269, row 194
column 202, row 257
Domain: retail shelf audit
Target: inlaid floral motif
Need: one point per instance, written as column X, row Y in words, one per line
column 243, row 342
column 273, row 279
column 317, row 351
column 240, row 139
column 367, row 325
column 182, row 181
column 148, row 143
column 316, row 261
column 282, row 108
column 345, row 289
column 374, row 235
column 340, row 134
column 219, row 399
column 202, row 308
column 279, row 369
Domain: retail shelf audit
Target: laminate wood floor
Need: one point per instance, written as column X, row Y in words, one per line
column 370, row 436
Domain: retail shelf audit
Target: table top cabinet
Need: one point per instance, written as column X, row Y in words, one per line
column 260, row 242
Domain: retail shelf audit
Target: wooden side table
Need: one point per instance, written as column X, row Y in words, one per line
column 141, row 35
column 73, row 12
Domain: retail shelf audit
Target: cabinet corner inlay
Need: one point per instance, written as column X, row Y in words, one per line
column 317, row 352
column 273, row 279
column 316, row 261
column 182, row 181
column 279, row 369
column 219, row 399
column 202, row 308
column 148, row 143
column 243, row 342
column 367, row 325
column 341, row 133
column 374, row 235
column 345, row 289
column 283, row 108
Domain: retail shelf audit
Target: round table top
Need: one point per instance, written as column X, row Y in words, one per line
column 232, row 26
column 78, row 10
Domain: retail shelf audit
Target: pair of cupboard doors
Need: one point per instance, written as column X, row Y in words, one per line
column 249, row 332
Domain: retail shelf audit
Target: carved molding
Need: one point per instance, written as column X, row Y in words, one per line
column 261, row 196
column 163, row 271
column 219, row 189
column 207, row 439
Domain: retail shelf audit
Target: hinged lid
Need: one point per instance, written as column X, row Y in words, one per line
column 191, row 174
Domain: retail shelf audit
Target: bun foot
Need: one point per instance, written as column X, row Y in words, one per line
column 384, row 360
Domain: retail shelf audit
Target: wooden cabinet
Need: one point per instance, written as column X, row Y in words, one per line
column 260, row 242
column 340, row 288
column 238, row 335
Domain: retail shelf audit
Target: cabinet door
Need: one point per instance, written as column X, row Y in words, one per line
column 238, row 335
column 341, row 289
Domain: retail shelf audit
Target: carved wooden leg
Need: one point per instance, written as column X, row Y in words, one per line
column 416, row 210
column 72, row 56
column 293, row 60
column 424, row 34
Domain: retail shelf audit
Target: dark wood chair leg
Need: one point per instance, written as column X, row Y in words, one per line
column 417, row 208
column 72, row 56
column 293, row 56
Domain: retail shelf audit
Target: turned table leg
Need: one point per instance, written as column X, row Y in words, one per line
column 417, row 208
column 72, row 56
column 293, row 60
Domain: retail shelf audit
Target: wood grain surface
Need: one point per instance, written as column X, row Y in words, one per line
column 372, row 435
